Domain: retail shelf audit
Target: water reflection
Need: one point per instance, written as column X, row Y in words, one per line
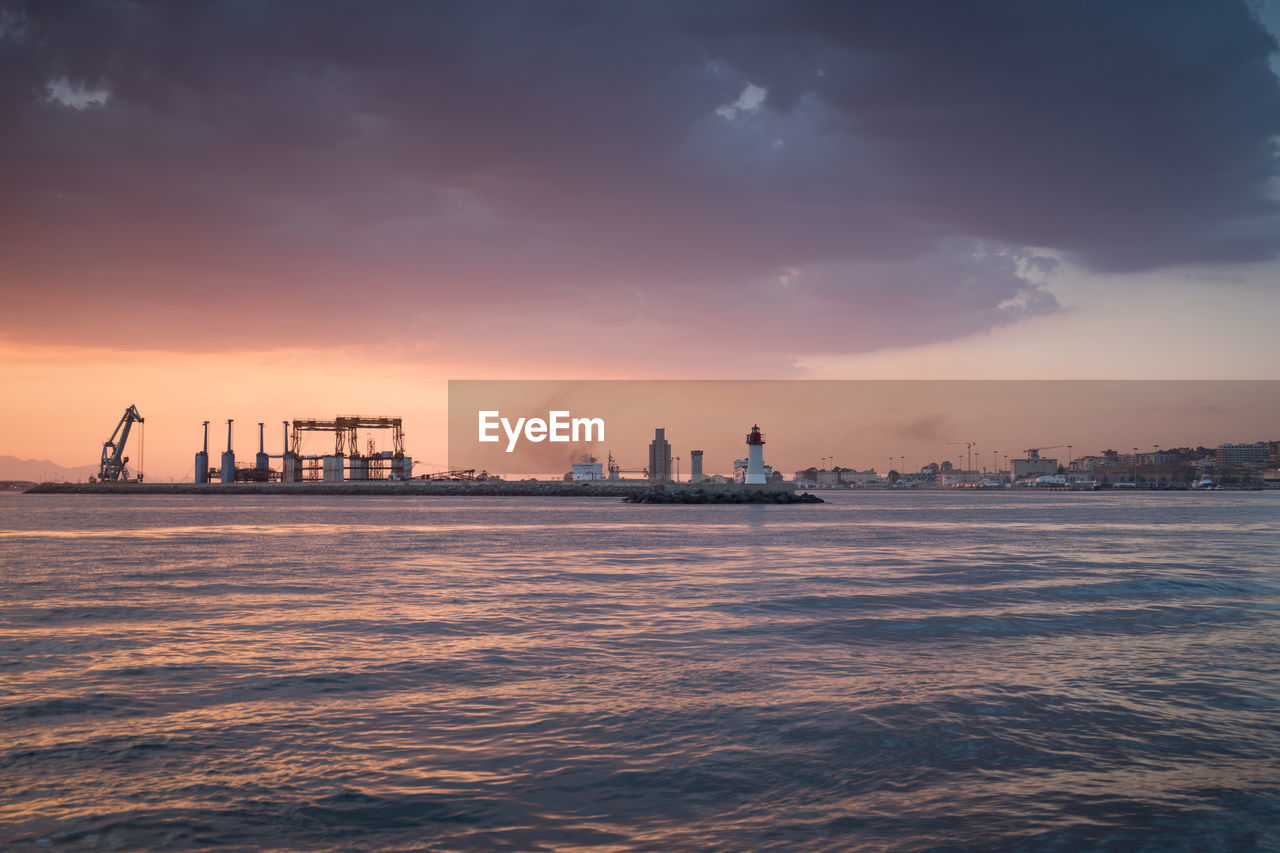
column 882, row 672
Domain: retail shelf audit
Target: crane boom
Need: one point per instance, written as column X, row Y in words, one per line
column 113, row 459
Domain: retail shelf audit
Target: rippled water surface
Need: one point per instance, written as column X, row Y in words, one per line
column 884, row 672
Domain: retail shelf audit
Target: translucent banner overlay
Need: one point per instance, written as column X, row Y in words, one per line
column 540, row 428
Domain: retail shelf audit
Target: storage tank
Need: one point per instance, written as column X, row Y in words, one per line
column 357, row 468
column 262, row 462
column 333, row 468
column 292, row 468
column 229, row 458
column 202, row 458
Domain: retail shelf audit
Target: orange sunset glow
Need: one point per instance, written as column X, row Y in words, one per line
column 254, row 230
column 645, row 426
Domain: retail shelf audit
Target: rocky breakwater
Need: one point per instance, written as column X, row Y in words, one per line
column 670, row 495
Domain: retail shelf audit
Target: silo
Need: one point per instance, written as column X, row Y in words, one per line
column 229, row 458
column 358, row 468
column 202, row 458
column 262, row 462
column 333, row 469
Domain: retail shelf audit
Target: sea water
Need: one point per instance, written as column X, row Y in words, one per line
column 888, row 671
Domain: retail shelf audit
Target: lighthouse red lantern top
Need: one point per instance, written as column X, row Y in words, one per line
column 755, row 436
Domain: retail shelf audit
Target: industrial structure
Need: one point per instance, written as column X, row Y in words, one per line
column 348, row 461
column 202, row 458
column 616, row 470
column 228, row 469
column 114, row 463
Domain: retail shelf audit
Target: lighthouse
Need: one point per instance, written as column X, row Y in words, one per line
column 755, row 457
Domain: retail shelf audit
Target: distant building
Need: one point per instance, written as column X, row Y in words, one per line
column 1244, row 454
column 659, row 457
column 859, row 478
column 695, row 466
column 958, row 478
column 1033, row 466
column 588, row 470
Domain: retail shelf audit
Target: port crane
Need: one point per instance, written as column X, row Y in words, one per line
column 113, row 459
column 616, row 471
column 968, row 445
column 1033, row 453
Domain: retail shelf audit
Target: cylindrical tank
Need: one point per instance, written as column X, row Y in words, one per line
column 202, row 467
column 262, row 461
column 402, row 468
column 229, row 466
column 292, row 468
column 357, row 468
column 333, row 469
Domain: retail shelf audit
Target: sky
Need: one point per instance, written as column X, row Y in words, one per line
column 295, row 209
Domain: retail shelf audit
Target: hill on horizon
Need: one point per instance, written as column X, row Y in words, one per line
column 42, row 470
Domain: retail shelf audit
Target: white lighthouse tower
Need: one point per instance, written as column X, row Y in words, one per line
column 755, row 457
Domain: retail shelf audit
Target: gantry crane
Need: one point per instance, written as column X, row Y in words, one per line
column 113, row 459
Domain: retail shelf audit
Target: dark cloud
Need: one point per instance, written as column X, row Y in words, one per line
column 859, row 174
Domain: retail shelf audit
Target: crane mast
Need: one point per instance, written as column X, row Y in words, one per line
column 113, row 459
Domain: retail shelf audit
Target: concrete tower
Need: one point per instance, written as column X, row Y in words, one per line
column 659, row 457
column 695, row 466
column 755, row 457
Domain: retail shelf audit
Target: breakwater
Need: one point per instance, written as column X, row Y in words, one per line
column 697, row 495
column 668, row 493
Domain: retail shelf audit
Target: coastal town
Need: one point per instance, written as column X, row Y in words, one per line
column 1237, row 465
column 1252, row 465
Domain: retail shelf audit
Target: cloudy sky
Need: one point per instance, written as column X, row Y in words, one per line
column 267, row 210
